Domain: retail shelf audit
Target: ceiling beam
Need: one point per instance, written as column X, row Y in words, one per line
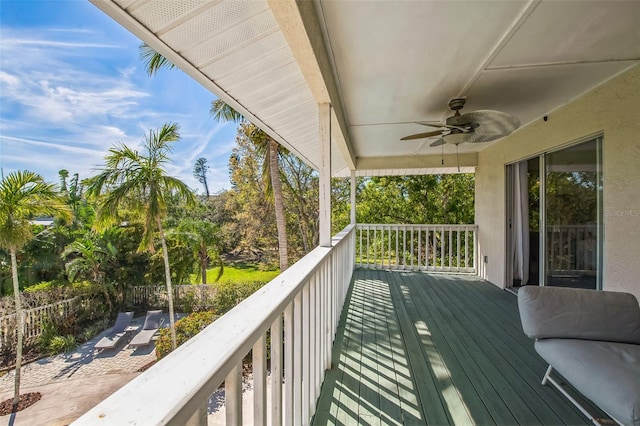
column 418, row 161
column 299, row 24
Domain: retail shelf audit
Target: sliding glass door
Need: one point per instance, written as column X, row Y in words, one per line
column 554, row 211
column 573, row 192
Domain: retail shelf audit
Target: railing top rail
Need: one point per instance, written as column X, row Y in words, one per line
column 417, row 224
column 193, row 371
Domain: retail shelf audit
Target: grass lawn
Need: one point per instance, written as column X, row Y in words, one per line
column 241, row 272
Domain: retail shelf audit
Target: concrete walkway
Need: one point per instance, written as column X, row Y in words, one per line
column 72, row 383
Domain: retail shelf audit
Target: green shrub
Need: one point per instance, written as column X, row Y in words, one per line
column 43, row 285
column 49, row 331
column 186, row 328
column 229, row 294
column 60, row 344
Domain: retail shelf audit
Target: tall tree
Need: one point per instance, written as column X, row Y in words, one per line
column 200, row 170
column 269, row 149
column 224, row 112
column 140, row 181
column 64, row 174
column 23, row 195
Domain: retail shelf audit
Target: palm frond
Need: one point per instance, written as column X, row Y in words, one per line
column 153, row 61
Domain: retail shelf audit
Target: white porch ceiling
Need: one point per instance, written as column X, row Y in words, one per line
column 385, row 64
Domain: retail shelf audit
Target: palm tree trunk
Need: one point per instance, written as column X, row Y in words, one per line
column 274, row 170
column 204, row 264
column 167, row 276
column 19, row 326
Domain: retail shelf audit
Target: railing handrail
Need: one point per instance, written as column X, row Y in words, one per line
column 174, row 389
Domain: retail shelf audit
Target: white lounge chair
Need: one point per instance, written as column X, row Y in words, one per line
column 151, row 325
column 117, row 332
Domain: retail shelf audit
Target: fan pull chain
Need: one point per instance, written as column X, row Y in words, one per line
column 458, row 158
column 442, row 156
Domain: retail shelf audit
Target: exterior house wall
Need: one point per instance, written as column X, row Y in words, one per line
column 611, row 109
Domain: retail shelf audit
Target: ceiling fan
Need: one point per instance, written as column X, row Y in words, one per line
column 471, row 127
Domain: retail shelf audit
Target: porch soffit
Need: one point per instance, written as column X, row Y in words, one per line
column 237, row 50
column 384, row 65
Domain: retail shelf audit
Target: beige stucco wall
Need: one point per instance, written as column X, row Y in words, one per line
column 612, row 109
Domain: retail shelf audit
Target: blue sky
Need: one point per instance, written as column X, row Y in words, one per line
column 72, row 86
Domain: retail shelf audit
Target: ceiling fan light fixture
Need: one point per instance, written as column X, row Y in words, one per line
column 455, row 138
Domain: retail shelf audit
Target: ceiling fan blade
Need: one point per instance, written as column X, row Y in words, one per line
column 422, row 135
column 490, row 125
column 438, row 142
column 431, row 123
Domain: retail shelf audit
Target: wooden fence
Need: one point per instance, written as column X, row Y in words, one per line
column 34, row 320
column 156, row 296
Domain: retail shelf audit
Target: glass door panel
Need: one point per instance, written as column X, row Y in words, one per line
column 572, row 215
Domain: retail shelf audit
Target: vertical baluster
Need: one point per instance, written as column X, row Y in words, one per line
column 466, row 247
column 458, row 262
column 312, row 343
column 450, row 247
column 276, row 372
column 443, row 247
column 397, row 254
column 389, row 248
column 260, row 381
column 419, row 248
column 360, row 247
column 375, row 257
column 412, row 250
column 297, row 359
column 289, row 386
column 233, row 395
column 404, row 247
column 329, row 310
column 307, row 390
column 318, row 332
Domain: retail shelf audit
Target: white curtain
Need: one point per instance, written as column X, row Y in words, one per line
column 520, row 223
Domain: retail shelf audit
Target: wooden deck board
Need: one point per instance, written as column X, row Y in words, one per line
column 418, row 348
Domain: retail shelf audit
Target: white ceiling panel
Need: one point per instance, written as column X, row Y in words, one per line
column 575, row 31
column 530, row 93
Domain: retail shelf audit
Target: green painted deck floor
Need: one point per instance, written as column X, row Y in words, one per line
column 417, row 348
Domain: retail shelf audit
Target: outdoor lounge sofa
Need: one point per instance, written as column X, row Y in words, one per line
column 150, row 327
column 117, row 332
column 592, row 339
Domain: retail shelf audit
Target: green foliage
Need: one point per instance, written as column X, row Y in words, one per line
column 229, row 294
column 186, row 328
column 49, row 331
column 61, row 344
column 44, row 286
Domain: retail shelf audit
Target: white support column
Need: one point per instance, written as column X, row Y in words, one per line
column 353, row 197
column 325, row 174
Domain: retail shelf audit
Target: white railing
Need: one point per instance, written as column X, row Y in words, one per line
column 572, row 247
column 34, row 319
column 445, row 248
column 299, row 310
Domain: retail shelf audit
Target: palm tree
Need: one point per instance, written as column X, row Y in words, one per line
column 202, row 238
column 140, row 181
column 24, row 195
column 221, row 111
column 269, row 150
